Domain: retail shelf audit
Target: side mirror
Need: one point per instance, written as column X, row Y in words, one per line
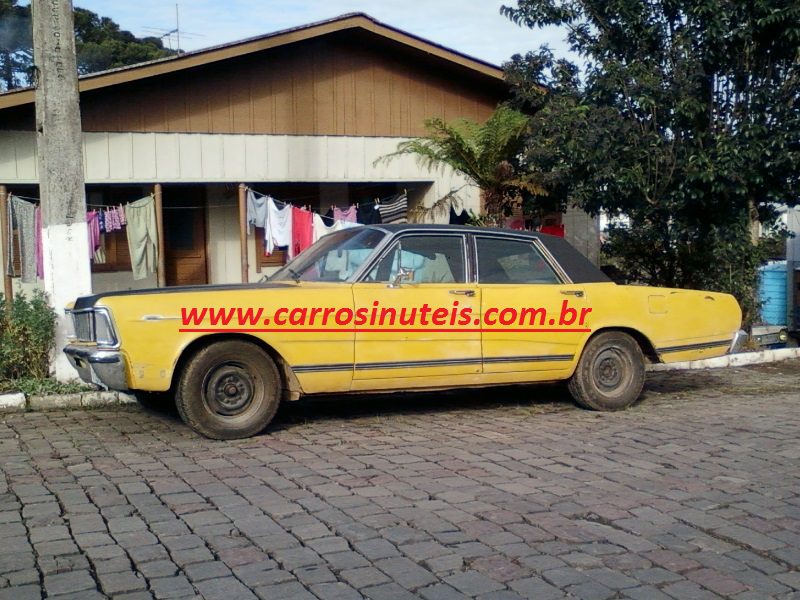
column 402, row 273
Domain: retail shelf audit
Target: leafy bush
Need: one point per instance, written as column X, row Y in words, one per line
column 27, row 337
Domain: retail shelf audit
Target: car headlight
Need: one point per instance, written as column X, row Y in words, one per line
column 104, row 333
column 93, row 325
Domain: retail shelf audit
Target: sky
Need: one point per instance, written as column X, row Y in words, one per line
column 472, row 27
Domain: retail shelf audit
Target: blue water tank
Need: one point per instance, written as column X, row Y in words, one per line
column 772, row 293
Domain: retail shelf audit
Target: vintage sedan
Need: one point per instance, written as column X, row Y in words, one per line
column 395, row 307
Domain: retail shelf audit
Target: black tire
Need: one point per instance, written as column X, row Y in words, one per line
column 228, row 390
column 610, row 373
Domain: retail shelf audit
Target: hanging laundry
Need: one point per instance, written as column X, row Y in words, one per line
column 256, row 210
column 351, row 214
column 458, row 219
column 101, row 220
column 37, row 221
column 394, row 210
column 23, row 214
column 278, row 227
column 112, row 219
column 369, row 213
column 121, row 218
column 302, row 230
column 556, row 230
column 142, row 235
column 99, row 257
column 320, row 229
column 93, row 231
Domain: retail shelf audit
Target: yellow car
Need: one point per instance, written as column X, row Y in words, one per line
column 395, row 307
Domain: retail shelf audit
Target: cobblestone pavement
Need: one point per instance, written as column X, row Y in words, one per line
column 693, row 493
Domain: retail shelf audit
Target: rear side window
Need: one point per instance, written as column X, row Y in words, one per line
column 512, row 261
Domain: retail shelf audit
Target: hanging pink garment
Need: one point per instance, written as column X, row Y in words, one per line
column 93, row 226
column 350, row 215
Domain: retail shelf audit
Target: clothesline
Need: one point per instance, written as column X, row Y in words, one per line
column 366, row 203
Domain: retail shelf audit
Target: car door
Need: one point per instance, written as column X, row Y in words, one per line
column 417, row 330
column 534, row 320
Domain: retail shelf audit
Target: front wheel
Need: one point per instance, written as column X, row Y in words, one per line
column 228, row 390
column 610, row 374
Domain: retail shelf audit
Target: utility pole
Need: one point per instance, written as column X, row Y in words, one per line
column 59, row 144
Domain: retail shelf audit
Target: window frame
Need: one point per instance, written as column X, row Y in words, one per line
column 534, row 242
column 381, row 253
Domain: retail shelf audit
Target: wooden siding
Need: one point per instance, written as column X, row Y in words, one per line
column 356, row 85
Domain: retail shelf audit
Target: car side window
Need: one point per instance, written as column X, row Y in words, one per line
column 512, row 261
column 429, row 258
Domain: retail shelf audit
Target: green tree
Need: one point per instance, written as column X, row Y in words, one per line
column 487, row 154
column 99, row 42
column 685, row 118
column 16, row 47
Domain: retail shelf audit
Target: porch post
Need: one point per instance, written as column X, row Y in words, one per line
column 243, row 230
column 161, row 270
column 8, row 289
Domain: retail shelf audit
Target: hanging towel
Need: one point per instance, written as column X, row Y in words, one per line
column 23, row 213
column 142, row 236
column 100, row 254
column 37, row 220
column 302, row 230
column 351, row 214
column 394, row 210
column 278, row 227
column 256, row 210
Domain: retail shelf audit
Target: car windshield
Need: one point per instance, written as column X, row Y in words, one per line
column 335, row 257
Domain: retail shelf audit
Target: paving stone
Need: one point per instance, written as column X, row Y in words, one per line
column 224, row 588
column 67, row 583
column 405, row 572
column 119, row 582
column 171, row 587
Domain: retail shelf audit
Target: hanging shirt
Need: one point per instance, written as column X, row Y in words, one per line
column 369, row 213
column 351, row 214
column 395, row 210
column 22, row 213
column 256, row 210
column 458, row 219
column 302, row 230
column 142, row 236
column 278, row 227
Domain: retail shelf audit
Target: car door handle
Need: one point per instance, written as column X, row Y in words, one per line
column 463, row 292
column 578, row 293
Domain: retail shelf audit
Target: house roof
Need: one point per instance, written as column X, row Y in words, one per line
column 284, row 37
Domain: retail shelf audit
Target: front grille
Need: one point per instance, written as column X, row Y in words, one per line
column 84, row 325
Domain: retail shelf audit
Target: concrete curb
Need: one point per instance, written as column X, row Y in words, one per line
column 731, row 360
column 18, row 402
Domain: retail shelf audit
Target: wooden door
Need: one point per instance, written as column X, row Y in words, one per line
column 185, row 235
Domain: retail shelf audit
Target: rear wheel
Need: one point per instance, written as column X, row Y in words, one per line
column 610, row 374
column 228, row 390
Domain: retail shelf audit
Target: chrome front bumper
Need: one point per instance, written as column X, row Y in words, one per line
column 105, row 368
